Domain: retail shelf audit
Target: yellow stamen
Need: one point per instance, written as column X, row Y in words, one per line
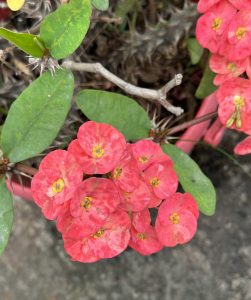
column 117, row 172
column 98, row 151
column 241, row 33
column 143, row 159
column 231, row 67
column 155, row 182
column 216, row 24
column 86, row 203
column 239, row 103
column 174, row 218
column 141, row 236
column 58, row 186
column 98, row 234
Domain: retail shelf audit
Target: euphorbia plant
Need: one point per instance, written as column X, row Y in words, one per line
column 105, row 188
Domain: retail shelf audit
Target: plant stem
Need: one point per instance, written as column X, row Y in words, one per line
column 26, row 169
column 193, row 122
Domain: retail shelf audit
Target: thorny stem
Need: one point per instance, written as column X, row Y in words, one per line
column 185, row 125
column 158, row 96
column 25, row 169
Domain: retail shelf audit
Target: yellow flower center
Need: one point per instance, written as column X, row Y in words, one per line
column 216, row 24
column 98, row 234
column 86, row 203
column 98, row 151
column 240, row 33
column 231, row 67
column 143, row 159
column 239, row 101
column 117, row 173
column 155, row 182
column 174, row 218
column 235, row 118
column 141, row 236
column 58, row 186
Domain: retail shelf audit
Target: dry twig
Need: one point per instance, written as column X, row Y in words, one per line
column 158, row 96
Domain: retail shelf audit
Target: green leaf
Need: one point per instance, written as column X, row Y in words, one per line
column 29, row 43
column 195, row 50
column 206, row 86
column 64, row 29
column 101, row 4
column 193, row 180
column 6, row 215
column 117, row 110
column 37, row 115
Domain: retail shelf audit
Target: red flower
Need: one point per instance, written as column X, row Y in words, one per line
column 108, row 241
column 205, row 5
column 143, row 235
column 234, row 98
column 136, row 200
column 176, row 222
column 213, row 23
column 236, row 40
column 162, row 179
column 99, row 147
column 93, row 201
column 126, row 174
column 244, row 147
column 146, row 152
column 225, row 68
column 55, row 182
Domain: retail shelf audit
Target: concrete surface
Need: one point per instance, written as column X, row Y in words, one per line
column 216, row 265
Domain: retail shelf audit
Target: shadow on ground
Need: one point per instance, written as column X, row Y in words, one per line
column 216, row 265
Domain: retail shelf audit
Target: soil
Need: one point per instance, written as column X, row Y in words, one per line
column 216, row 265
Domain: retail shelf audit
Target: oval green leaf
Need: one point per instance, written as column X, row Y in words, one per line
column 195, row 50
column 6, row 215
column 101, row 4
column 192, row 179
column 37, row 115
column 29, row 43
column 63, row 30
column 206, row 86
column 117, row 110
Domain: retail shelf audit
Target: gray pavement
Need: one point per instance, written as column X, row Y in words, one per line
column 216, row 265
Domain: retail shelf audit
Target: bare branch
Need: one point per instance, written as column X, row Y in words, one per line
column 158, row 96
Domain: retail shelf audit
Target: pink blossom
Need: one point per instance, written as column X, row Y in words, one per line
column 241, row 4
column 91, row 204
column 108, row 241
column 236, row 40
column 136, row 200
column 234, row 98
column 146, row 152
column 143, row 235
column 161, row 179
column 126, row 174
column 225, row 68
column 99, row 147
column 176, row 222
column 204, row 5
column 211, row 26
column 55, row 182
column 244, row 147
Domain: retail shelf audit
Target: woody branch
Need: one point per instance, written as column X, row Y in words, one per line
column 158, row 96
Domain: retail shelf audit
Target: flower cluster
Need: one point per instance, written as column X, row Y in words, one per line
column 100, row 191
column 225, row 29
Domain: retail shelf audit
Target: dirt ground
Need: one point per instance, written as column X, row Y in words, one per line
column 216, row 265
